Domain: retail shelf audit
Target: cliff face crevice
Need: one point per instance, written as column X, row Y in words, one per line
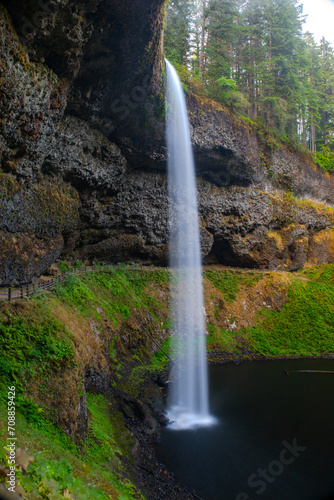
column 243, row 227
column 228, row 152
column 83, row 157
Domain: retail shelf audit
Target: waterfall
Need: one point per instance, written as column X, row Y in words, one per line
column 188, row 405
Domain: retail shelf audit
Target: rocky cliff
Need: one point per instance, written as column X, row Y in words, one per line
column 83, row 154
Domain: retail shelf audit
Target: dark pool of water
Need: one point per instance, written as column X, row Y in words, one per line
column 261, row 412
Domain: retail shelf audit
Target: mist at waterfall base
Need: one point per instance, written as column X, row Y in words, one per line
column 260, row 412
column 188, row 400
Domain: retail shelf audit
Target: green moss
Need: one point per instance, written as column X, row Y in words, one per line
column 56, row 202
column 115, row 290
column 35, row 343
column 9, row 185
column 50, row 205
column 285, row 209
column 304, row 326
column 100, row 441
column 88, row 472
column 320, row 274
column 32, row 341
column 228, row 281
column 220, row 339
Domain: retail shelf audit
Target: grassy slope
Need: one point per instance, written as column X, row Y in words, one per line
column 301, row 323
column 40, row 343
column 285, row 315
column 60, row 467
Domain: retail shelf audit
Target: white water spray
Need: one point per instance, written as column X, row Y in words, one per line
column 188, row 406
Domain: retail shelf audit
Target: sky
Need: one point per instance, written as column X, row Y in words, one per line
column 320, row 19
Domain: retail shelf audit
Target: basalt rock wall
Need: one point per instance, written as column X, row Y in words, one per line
column 83, row 156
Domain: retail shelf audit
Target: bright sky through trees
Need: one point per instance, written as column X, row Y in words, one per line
column 320, row 20
column 252, row 56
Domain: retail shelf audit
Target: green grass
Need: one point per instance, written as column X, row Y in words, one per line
column 108, row 440
column 32, row 341
column 228, row 282
column 324, row 274
column 116, row 291
column 305, row 325
column 100, row 442
column 146, row 369
column 85, row 472
column 160, row 360
column 221, row 339
column 36, row 346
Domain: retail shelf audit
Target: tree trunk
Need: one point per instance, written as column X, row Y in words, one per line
column 313, row 145
column 201, row 55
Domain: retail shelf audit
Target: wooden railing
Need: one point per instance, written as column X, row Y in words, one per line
column 14, row 293
column 27, row 290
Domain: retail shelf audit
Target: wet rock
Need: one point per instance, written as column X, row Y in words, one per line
column 226, row 151
column 97, row 381
column 256, row 229
column 26, row 256
column 83, row 155
column 297, row 173
column 53, row 270
column 82, row 418
column 321, row 247
column 34, row 218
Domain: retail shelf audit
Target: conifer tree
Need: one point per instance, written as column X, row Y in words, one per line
column 178, row 31
column 252, row 56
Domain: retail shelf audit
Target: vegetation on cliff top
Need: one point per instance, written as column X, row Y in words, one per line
column 253, row 57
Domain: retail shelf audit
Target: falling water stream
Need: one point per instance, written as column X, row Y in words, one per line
column 274, row 434
column 188, row 406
